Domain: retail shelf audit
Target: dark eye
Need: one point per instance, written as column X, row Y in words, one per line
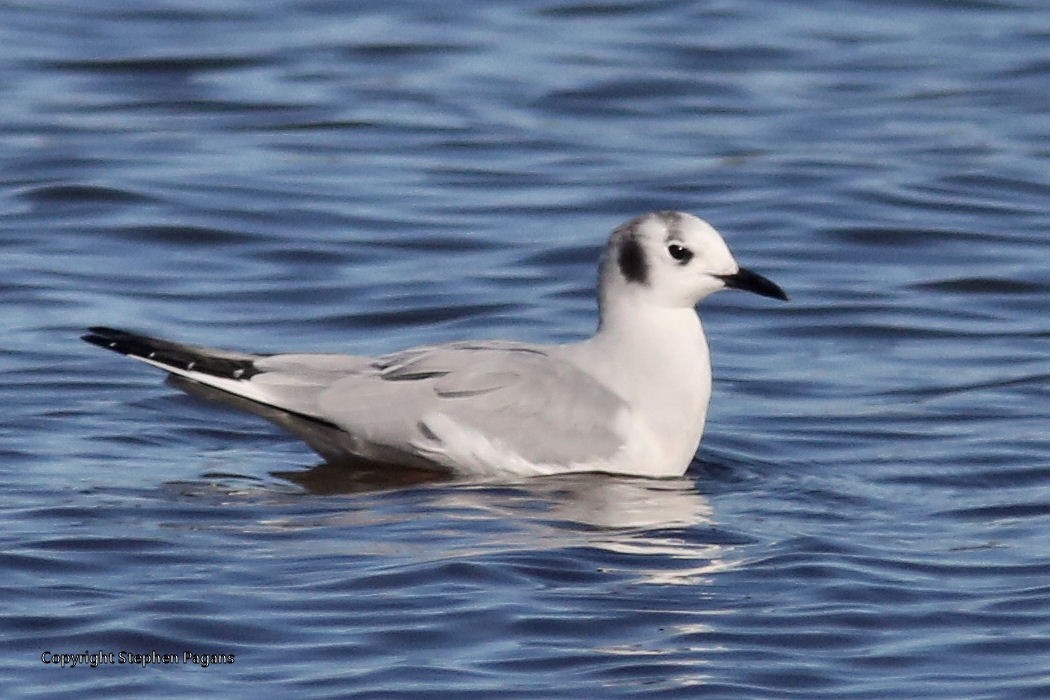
column 680, row 253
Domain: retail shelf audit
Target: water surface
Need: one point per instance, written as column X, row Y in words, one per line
column 869, row 512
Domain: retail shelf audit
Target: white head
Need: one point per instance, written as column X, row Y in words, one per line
column 671, row 259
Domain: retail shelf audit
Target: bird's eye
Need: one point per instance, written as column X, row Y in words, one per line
column 680, row 253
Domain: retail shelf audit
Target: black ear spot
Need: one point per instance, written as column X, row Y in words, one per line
column 632, row 261
column 680, row 253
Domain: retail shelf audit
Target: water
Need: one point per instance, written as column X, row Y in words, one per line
column 869, row 514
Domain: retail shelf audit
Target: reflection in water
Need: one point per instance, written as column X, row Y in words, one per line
column 659, row 519
column 660, row 530
column 655, row 522
column 329, row 479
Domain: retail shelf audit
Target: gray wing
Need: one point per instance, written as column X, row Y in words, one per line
column 427, row 406
column 523, row 400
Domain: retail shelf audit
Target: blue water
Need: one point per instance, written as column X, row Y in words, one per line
column 869, row 513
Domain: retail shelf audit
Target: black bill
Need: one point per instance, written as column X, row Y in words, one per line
column 753, row 282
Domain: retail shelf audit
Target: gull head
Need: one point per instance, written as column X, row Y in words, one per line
column 672, row 259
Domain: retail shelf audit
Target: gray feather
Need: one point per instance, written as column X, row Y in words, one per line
column 515, row 393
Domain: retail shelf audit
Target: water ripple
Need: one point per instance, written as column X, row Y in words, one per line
column 867, row 516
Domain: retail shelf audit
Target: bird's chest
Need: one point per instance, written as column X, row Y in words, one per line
column 667, row 399
column 674, row 408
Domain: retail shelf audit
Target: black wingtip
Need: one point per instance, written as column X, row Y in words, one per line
column 98, row 335
column 173, row 356
column 109, row 338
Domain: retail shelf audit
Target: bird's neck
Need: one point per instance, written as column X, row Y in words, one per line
column 646, row 335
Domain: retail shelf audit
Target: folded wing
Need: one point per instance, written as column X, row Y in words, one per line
column 480, row 406
column 474, row 407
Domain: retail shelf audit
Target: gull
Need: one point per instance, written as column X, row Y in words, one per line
column 632, row 399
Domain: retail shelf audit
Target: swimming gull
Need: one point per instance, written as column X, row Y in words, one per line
column 632, row 399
